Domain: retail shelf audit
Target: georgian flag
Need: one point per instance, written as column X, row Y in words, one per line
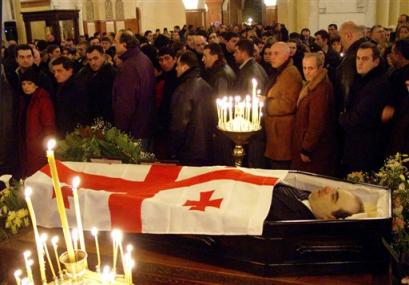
column 159, row 198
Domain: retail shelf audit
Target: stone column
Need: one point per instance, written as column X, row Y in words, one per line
column 22, row 38
column 393, row 12
column 214, row 12
column 382, row 12
column 270, row 15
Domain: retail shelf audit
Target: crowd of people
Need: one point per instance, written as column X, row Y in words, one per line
column 335, row 101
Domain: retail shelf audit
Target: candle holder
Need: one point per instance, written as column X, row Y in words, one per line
column 240, row 139
column 75, row 270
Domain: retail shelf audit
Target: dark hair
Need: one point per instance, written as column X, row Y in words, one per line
column 189, row 58
column 247, row 46
column 93, row 38
column 294, row 35
column 376, row 53
column 147, row 32
column 129, row 39
column 86, row 43
column 52, row 48
column 72, row 51
column 65, row 61
column 31, row 75
column 406, row 16
column 229, row 35
column 305, row 29
column 161, row 41
column 42, row 45
column 323, row 34
column 216, row 49
column 402, row 47
column 374, row 27
column 106, row 39
column 342, row 214
column 99, row 49
column 166, row 51
column 24, row 47
column 333, row 25
column 336, row 38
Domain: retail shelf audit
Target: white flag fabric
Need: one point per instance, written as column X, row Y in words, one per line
column 159, row 198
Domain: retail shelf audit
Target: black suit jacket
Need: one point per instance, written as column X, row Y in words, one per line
column 286, row 204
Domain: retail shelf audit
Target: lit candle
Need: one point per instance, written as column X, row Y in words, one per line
column 17, row 275
column 40, row 254
column 75, row 184
column 230, row 111
column 75, row 238
column 94, row 232
column 121, row 249
column 131, row 266
column 59, row 198
column 47, row 254
column 26, row 281
column 115, row 234
column 218, row 111
column 27, row 263
column 105, row 276
column 128, row 260
column 54, row 242
column 260, row 105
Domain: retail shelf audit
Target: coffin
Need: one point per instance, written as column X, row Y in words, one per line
column 308, row 247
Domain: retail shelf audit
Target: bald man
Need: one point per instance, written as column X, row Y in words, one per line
column 281, row 103
column 352, row 36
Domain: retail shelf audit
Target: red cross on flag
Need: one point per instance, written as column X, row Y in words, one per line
column 159, row 198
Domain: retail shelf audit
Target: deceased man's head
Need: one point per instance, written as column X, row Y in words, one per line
column 329, row 203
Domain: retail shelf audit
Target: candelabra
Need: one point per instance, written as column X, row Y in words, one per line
column 239, row 120
column 75, row 259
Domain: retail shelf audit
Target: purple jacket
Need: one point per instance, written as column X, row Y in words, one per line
column 133, row 94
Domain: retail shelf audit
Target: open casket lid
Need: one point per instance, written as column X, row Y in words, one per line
column 377, row 200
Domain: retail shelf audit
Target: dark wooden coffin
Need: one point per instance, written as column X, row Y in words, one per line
column 306, row 247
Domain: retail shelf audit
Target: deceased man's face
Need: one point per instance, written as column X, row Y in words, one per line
column 326, row 201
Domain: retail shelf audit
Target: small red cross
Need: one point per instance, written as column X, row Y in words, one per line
column 66, row 192
column 203, row 202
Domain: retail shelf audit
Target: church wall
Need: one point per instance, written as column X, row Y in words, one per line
column 161, row 14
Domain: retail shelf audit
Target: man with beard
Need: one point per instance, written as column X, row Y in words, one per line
column 97, row 78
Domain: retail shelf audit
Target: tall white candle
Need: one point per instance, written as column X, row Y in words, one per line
column 40, row 253
column 94, row 232
column 27, row 263
column 75, row 184
column 17, row 275
column 54, row 242
column 75, row 238
column 47, row 254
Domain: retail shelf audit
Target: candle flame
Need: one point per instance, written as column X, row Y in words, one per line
column 76, row 182
column 129, row 248
column 30, row 262
column 51, row 144
column 18, row 273
column 117, row 235
column 94, row 231
column 54, row 240
column 254, row 81
column 28, row 191
column 27, row 254
column 43, row 237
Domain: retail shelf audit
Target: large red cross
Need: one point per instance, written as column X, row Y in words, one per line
column 203, row 202
column 125, row 202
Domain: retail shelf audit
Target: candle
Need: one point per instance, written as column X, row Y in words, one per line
column 39, row 246
column 94, row 232
column 26, row 281
column 218, row 111
column 105, row 276
column 59, row 198
column 131, row 266
column 129, row 262
column 27, row 263
column 75, row 238
column 260, row 105
column 17, row 275
column 47, row 254
column 75, row 184
column 54, row 242
column 115, row 234
column 121, row 249
column 230, row 110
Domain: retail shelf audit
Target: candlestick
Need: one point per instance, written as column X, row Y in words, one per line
column 75, row 184
column 59, row 198
column 94, row 232
column 47, row 254
column 17, row 275
column 40, row 254
column 54, row 242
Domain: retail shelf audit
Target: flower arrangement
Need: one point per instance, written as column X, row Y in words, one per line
column 13, row 210
column 394, row 174
column 101, row 140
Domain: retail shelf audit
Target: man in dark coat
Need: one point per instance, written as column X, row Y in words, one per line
column 193, row 114
column 229, row 47
column 221, row 78
column 134, row 88
column 332, row 58
column 351, row 38
column 71, row 102
column 248, row 67
column 97, row 79
column 399, row 136
column 364, row 147
column 218, row 74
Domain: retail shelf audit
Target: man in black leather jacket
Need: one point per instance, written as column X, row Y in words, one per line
column 193, row 114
